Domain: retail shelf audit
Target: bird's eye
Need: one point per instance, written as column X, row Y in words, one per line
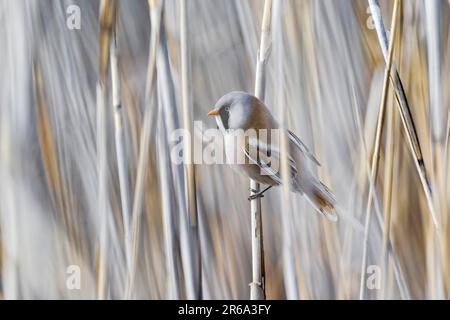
column 227, row 108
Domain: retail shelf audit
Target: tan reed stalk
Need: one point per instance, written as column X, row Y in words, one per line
column 405, row 113
column 398, row 272
column 107, row 20
column 438, row 121
column 387, row 198
column 257, row 286
column 194, row 276
column 155, row 9
column 377, row 146
column 122, row 159
column 290, row 281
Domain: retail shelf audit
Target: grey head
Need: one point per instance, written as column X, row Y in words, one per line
column 237, row 110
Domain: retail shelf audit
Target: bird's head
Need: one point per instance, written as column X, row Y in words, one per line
column 232, row 111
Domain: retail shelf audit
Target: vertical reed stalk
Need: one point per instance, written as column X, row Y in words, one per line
column 377, row 146
column 194, row 286
column 155, row 9
column 107, row 20
column 438, row 121
column 257, row 286
column 290, row 281
column 167, row 191
column 404, row 110
column 387, row 194
column 122, row 159
column 171, row 122
column 398, row 273
column 102, row 184
column 437, row 110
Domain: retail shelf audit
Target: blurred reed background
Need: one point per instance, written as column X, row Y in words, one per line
column 86, row 179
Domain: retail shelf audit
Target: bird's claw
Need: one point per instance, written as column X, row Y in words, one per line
column 255, row 196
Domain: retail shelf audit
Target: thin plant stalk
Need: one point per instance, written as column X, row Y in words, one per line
column 398, row 273
column 257, row 286
column 377, row 146
column 437, row 110
column 290, row 281
column 107, row 20
column 155, row 15
column 193, row 277
column 102, row 197
column 171, row 122
column 438, row 120
column 387, row 192
column 404, row 110
column 122, row 159
column 247, row 27
column 167, row 191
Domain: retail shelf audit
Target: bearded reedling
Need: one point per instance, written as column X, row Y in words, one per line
column 242, row 111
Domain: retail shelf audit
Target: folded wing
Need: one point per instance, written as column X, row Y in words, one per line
column 268, row 158
column 303, row 148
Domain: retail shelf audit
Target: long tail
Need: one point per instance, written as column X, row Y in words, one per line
column 322, row 199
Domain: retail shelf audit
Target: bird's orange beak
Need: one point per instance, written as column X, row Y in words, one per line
column 213, row 112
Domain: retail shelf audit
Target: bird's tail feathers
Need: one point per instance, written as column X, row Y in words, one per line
column 323, row 200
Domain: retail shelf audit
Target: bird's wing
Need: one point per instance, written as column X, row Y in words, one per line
column 267, row 158
column 303, row 148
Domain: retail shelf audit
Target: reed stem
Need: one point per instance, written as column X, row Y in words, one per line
column 377, row 146
column 257, row 286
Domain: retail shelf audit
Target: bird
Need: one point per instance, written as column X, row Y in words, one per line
column 239, row 111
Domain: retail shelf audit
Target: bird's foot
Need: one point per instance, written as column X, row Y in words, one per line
column 256, row 196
